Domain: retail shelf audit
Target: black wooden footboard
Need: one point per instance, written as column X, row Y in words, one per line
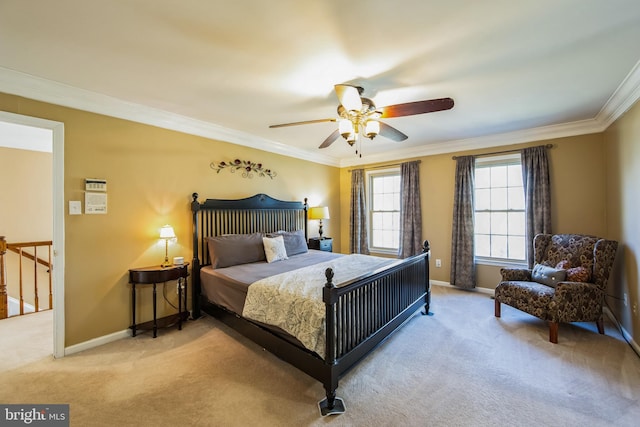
column 360, row 314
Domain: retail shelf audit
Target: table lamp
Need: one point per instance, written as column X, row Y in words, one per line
column 167, row 233
column 319, row 212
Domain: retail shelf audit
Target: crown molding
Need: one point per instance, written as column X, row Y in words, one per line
column 28, row 86
column 542, row 133
column 37, row 88
column 624, row 97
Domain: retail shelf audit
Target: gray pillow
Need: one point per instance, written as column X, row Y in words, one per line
column 294, row 241
column 234, row 249
column 547, row 275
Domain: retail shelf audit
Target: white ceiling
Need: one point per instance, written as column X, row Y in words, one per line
column 517, row 70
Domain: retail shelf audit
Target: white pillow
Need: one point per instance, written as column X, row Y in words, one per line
column 274, row 248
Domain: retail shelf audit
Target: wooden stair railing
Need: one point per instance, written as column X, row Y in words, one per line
column 4, row 302
column 18, row 248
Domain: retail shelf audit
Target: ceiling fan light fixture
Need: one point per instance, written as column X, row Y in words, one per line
column 359, row 115
column 345, row 127
column 372, row 128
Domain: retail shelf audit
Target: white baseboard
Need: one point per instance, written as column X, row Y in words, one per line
column 625, row 334
column 96, row 342
column 105, row 339
column 476, row 289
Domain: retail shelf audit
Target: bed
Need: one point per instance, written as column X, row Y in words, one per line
column 358, row 310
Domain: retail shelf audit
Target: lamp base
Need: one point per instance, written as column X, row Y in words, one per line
column 166, row 262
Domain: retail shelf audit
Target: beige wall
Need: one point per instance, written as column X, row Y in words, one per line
column 151, row 173
column 578, row 192
column 622, row 146
column 26, row 178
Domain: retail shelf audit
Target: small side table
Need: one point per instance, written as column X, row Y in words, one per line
column 324, row 244
column 153, row 275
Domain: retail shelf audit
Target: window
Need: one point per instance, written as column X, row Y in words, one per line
column 384, row 210
column 499, row 208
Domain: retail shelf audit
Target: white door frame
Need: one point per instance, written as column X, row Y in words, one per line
column 57, row 129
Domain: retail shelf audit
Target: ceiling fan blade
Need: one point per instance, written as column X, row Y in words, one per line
column 391, row 132
column 306, row 122
column 418, row 107
column 330, row 139
column 349, row 97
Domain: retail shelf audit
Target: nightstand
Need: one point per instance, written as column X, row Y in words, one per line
column 152, row 276
column 324, row 244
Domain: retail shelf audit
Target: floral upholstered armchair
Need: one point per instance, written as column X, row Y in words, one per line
column 567, row 284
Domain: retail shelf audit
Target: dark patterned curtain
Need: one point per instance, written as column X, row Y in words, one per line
column 358, row 229
column 537, row 194
column 410, row 211
column 463, row 269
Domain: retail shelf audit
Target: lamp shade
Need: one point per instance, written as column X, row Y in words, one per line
column 319, row 212
column 372, row 128
column 345, row 128
column 166, row 232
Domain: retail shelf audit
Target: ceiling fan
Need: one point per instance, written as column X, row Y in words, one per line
column 359, row 115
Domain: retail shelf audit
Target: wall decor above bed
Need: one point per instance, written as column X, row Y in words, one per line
column 336, row 308
column 247, row 168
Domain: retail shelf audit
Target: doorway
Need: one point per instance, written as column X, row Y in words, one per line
column 57, row 138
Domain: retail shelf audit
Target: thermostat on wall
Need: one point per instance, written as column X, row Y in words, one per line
column 92, row 184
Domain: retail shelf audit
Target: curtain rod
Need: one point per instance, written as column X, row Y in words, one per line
column 384, row 166
column 502, row 152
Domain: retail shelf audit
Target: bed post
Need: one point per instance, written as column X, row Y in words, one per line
column 426, row 248
column 195, row 266
column 331, row 405
column 306, row 220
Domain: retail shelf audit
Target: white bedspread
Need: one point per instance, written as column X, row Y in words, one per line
column 293, row 302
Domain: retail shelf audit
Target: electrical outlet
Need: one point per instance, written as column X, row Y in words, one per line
column 635, row 308
column 625, row 299
column 438, row 262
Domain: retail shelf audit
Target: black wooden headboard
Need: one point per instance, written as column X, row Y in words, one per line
column 259, row 213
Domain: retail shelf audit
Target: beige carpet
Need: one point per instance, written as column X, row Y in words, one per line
column 25, row 339
column 460, row 367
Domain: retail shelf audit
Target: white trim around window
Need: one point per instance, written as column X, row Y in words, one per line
column 392, row 215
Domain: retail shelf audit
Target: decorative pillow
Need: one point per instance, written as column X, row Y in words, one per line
column 564, row 265
column 274, row 248
column 578, row 274
column 575, row 274
column 294, row 241
column 234, row 249
column 547, row 275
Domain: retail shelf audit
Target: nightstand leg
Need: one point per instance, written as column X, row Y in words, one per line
column 179, row 304
column 155, row 322
column 186, row 296
column 133, row 308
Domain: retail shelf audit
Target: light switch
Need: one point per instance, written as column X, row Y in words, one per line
column 75, row 207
